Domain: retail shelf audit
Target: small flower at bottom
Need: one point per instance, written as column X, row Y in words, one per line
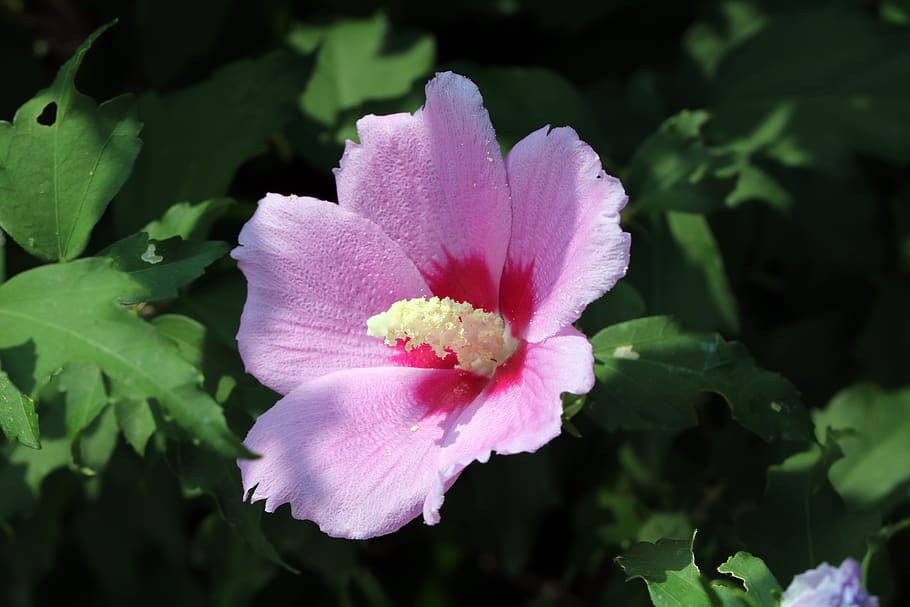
column 425, row 321
column 827, row 586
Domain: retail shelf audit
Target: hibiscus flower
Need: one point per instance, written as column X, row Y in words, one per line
column 425, row 321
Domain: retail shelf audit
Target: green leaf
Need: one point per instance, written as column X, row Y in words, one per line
column 801, row 521
column 651, row 371
column 161, row 267
column 836, row 97
column 70, row 314
column 354, row 65
column 872, row 428
column 188, row 153
column 188, row 221
column 18, row 419
column 34, row 465
column 221, row 366
column 84, row 394
column 136, row 421
column 361, row 67
column 95, row 446
column 690, row 261
column 674, row 169
column 758, row 580
column 668, row 568
column 62, row 160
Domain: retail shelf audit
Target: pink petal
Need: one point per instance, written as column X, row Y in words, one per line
column 316, row 273
column 356, row 451
column 521, row 409
column 435, row 181
column 566, row 248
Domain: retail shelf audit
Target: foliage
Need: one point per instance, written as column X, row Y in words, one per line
column 752, row 366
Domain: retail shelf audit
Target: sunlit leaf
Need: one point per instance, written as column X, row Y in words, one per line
column 759, row 582
column 18, row 419
column 70, row 313
column 135, row 419
column 872, row 428
column 354, row 65
column 84, row 394
column 188, row 221
column 62, row 160
column 362, row 66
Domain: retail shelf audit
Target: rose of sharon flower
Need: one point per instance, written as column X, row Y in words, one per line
column 425, row 321
column 826, row 586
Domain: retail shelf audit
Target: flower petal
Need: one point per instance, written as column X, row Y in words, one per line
column 356, row 451
column 521, row 409
column 566, row 247
column 435, row 181
column 316, row 273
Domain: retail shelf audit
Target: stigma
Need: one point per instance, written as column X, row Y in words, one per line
column 480, row 340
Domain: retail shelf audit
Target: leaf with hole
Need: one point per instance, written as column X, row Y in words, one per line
column 62, row 160
column 761, row 586
column 668, row 568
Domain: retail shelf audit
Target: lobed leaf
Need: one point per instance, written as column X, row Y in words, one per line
column 84, row 394
column 69, row 311
column 353, row 65
column 668, row 568
column 759, row 582
column 802, row 521
column 161, row 267
column 62, row 160
column 651, row 371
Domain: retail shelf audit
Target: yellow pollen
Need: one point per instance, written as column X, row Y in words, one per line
column 480, row 340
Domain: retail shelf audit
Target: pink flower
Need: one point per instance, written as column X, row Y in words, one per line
column 470, row 271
